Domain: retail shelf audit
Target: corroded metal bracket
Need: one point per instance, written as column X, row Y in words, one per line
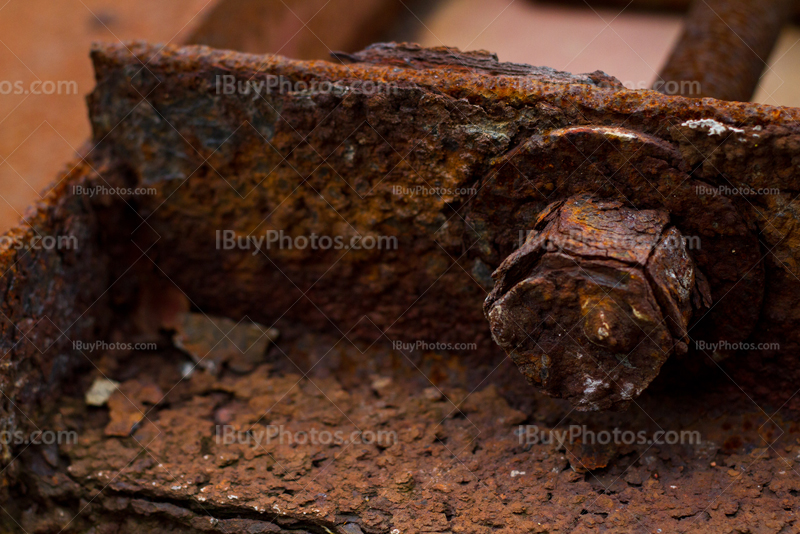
column 634, row 247
column 497, row 143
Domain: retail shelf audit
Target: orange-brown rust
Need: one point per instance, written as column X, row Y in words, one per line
column 503, row 142
column 496, row 143
column 595, row 301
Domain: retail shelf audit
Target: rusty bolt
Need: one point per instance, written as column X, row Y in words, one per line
column 595, row 301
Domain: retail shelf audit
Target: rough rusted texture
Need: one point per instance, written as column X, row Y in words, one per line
column 725, row 46
column 594, row 301
column 52, row 296
column 457, row 461
column 326, row 163
column 331, row 163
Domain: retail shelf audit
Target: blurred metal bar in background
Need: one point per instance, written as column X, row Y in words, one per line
column 666, row 6
column 724, row 48
column 300, row 29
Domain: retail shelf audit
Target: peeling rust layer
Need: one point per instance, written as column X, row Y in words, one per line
column 412, row 56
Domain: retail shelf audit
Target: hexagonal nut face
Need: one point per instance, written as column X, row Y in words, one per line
column 584, row 330
column 594, row 303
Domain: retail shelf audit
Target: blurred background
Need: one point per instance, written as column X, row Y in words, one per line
column 45, row 72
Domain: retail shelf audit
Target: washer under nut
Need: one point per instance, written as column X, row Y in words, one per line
column 595, row 301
